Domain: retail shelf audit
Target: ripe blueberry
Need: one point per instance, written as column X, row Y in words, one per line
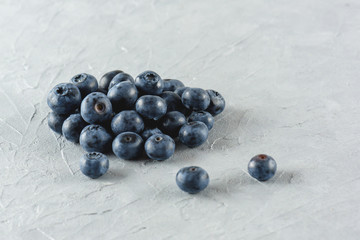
column 193, row 134
column 150, row 83
column 64, row 98
column 127, row 121
column 217, row 103
column 106, row 79
column 86, row 83
column 151, row 107
column 96, row 108
column 172, row 84
column 55, row 121
column 196, row 99
column 128, row 145
column 159, row 147
column 171, row 123
column 202, row 116
column 95, row 138
column 72, row 127
column 262, row 167
column 121, row 77
column 192, row 179
column 94, row 164
column 123, row 96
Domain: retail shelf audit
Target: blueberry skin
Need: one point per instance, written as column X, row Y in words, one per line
column 149, row 83
column 72, row 127
column 192, row 179
column 202, row 116
column 149, row 132
column 95, row 138
column 171, row 123
column 217, row 103
column 106, row 79
column 86, row 83
column 94, row 164
column 179, row 91
column 96, row 108
column 123, row 96
column 193, row 134
column 121, row 77
column 128, row 145
column 196, row 99
column 173, row 102
column 127, row 121
column 64, row 98
column 172, row 84
column 159, row 147
column 151, row 107
column 262, row 167
column 55, row 121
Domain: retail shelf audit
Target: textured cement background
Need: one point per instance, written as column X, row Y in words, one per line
column 289, row 71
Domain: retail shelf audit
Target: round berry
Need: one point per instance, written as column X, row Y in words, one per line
column 173, row 102
column 202, row 116
column 95, row 138
column 192, row 179
column 64, row 98
column 96, row 108
column 179, row 91
column 193, row 134
column 123, row 96
column 196, row 99
column 106, row 79
column 94, row 164
column 128, row 145
column 151, row 107
column 159, row 147
column 72, row 127
column 150, row 83
column 172, row 84
column 86, row 83
column 121, row 77
column 262, row 167
column 217, row 103
column 55, row 121
column 127, row 121
column 171, row 123
column 149, row 132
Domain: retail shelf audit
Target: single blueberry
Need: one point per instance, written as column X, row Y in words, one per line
column 179, row 91
column 123, row 96
column 95, row 138
column 171, row 123
column 94, row 164
column 193, row 134
column 128, row 145
column 217, row 103
column 173, row 102
column 172, row 84
column 149, row 132
column 151, row 107
column 64, row 98
column 96, row 108
column 127, row 121
column 262, row 167
column 159, row 147
column 72, row 127
column 196, row 99
column 149, row 83
column 121, row 77
column 192, row 179
column 55, row 121
column 202, row 116
column 86, row 83
column 106, row 79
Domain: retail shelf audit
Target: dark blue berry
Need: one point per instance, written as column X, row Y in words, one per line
column 159, row 147
column 202, row 116
column 193, row 134
column 192, row 179
column 123, row 96
column 95, row 138
column 151, row 107
column 262, row 167
column 179, row 91
column 217, row 103
column 55, row 121
column 106, row 79
column 128, row 145
column 64, row 98
column 94, row 164
column 171, row 123
column 196, row 99
column 149, row 132
column 173, row 102
column 96, row 108
column 86, row 83
column 72, row 127
column 127, row 121
column 172, row 84
column 121, row 77
column 149, row 83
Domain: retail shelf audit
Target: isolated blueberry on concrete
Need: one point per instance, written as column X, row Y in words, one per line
column 123, row 96
column 172, row 84
column 202, row 116
column 128, row 145
column 151, row 107
column 196, row 99
column 193, row 134
column 171, row 123
column 127, row 121
column 86, row 83
column 96, row 108
column 121, row 77
column 64, row 98
column 106, row 79
column 95, row 138
column 159, row 147
column 149, row 83
column 217, row 103
column 94, row 164
column 55, row 121
column 262, row 167
column 72, row 127
column 192, row 179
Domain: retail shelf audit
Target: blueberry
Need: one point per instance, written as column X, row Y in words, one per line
column 173, row 102
column 55, row 121
column 127, row 121
column 262, row 167
column 217, row 103
column 179, row 91
column 193, row 134
column 94, row 164
column 72, row 127
column 172, row 84
column 96, row 108
column 106, row 79
column 192, row 179
column 196, row 99
column 159, row 147
column 128, row 145
column 172, row 122
column 121, row 77
column 202, row 116
column 64, row 98
column 149, row 132
column 86, row 83
column 95, row 138
column 151, row 107
column 123, row 96
column 150, row 83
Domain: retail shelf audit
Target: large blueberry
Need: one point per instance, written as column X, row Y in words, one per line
column 123, row 96
column 72, row 127
column 86, row 83
column 149, row 132
column 217, row 103
column 95, row 138
column 121, row 77
column 127, row 121
column 173, row 102
column 202, row 116
column 106, row 79
column 151, row 107
column 128, row 145
column 159, row 147
column 149, row 83
column 55, row 121
column 193, row 134
column 96, row 108
column 192, row 179
column 94, row 164
column 64, row 98
column 262, row 167
column 172, row 84
column 179, row 91
column 196, row 99
column 171, row 123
